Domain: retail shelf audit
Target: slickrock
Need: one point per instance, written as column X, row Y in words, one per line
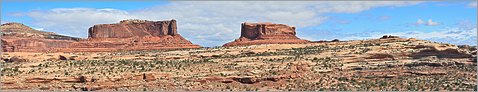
column 266, row 33
column 441, row 52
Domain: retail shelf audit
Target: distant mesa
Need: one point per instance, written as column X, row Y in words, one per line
column 127, row 35
column 266, row 33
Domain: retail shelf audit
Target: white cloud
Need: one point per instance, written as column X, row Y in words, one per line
column 454, row 35
column 420, row 22
column 472, row 4
column 206, row 23
column 430, row 22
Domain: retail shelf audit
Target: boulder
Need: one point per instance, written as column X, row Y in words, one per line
column 16, row 59
column 266, row 33
column 60, row 57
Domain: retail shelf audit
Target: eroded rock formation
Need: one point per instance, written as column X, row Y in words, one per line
column 126, row 35
column 266, row 33
column 132, row 35
column 441, row 52
column 132, row 28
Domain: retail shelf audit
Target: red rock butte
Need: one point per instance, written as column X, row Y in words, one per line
column 124, row 36
column 133, row 28
column 266, row 33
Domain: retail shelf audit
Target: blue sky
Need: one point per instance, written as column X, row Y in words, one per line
column 9, row 9
column 215, row 23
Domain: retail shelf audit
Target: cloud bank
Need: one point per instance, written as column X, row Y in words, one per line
column 459, row 35
column 206, row 23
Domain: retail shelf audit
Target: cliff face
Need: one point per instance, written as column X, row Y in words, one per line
column 256, row 31
column 133, row 28
column 15, row 44
column 266, row 33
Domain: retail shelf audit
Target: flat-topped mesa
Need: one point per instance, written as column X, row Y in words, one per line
column 266, row 33
column 132, row 34
column 134, row 28
column 267, row 30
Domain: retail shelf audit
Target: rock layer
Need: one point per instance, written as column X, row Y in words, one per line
column 133, row 28
column 17, row 37
column 126, row 35
column 132, row 35
column 266, row 33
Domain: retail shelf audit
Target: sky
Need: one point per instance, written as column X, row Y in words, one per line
column 214, row 23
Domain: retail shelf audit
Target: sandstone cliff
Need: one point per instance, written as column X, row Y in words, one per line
column 132, row 28
column 266, row 33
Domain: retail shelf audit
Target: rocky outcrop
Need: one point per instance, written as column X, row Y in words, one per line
column 132, row 35
column 441, row 52
column 17, row 37
column 15, row 59
column 388, row 37
column 266, row 33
